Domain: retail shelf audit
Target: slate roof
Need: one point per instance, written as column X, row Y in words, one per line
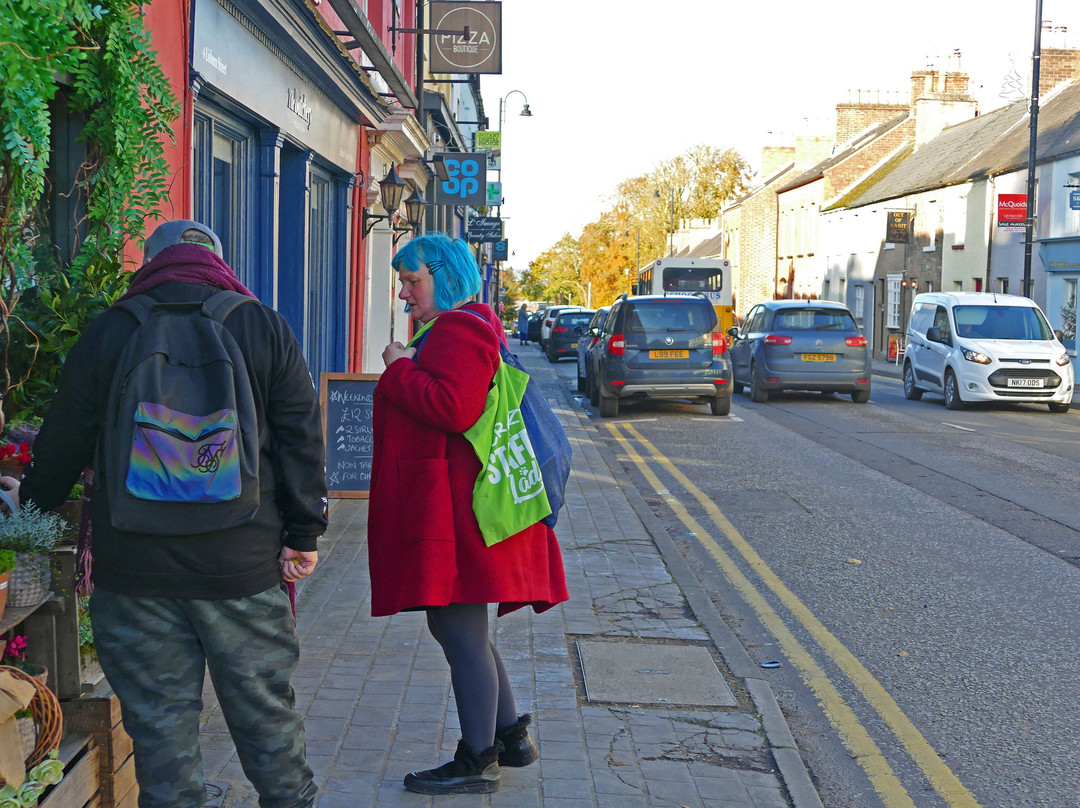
column 991, row 144
column 851, row 147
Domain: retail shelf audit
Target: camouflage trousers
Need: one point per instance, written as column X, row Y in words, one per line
column 155, row 651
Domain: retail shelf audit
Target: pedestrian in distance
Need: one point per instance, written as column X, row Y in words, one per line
column 425, row 547
column 209, row 584
column 523, row 325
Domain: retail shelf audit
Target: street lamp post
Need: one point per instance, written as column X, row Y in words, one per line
column 525, row 111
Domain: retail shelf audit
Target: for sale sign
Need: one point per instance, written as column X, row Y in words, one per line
column 1012, row 211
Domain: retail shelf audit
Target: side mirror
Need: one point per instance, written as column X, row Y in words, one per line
column 1059, row 335
column 733, row 332
column 933, row 333
column 579, row 330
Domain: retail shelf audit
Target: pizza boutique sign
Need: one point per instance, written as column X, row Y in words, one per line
column 467, row 37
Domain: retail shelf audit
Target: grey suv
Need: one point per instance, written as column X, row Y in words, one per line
column 662, row 347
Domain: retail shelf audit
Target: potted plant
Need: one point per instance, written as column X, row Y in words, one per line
column 7, row 564
column 32, row 534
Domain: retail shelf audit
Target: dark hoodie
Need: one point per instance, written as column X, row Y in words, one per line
column 232, row 563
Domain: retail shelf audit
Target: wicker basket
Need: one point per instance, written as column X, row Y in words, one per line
column 29, row 582
column 48, row 720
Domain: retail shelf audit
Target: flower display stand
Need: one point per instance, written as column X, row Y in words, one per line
column 113, row 779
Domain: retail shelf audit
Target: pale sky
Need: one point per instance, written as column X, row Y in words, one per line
column 617, row 86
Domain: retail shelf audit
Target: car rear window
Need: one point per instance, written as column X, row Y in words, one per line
column 813, row 320
column 670, row 315
column 575, row 319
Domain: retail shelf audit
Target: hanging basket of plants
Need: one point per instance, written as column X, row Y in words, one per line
column 46, row 714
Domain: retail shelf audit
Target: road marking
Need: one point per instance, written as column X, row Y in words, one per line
column 957, row 426
column 732, row 419
column 852, row 733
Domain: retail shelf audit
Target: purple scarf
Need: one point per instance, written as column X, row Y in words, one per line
column 187, row 263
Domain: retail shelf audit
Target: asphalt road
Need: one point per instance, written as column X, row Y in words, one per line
column 912, row 569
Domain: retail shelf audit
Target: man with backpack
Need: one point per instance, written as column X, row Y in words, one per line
column 194, row 406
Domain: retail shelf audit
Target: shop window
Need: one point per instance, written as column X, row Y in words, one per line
column 320, row 304
column 224, row 155
column 860, row 304
column 892, row 302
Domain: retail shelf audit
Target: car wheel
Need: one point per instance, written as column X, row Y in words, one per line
column 952, row 392
column 580, row 383
column 736, row 387
column 609, row 407
column 861, row 396
column 551, row 355
column 594, row 391
column 758, row 393
column 720, row 405
column 1058, row 408
column 911, row 392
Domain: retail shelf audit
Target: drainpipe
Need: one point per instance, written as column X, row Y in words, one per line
column 990, row 234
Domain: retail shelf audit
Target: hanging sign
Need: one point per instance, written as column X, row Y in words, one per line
column 466, row 182
column 484, row 229
column 1074, row 200
column 471, row 41
column 494, row 194
column 1012, row 211
column 897, row 226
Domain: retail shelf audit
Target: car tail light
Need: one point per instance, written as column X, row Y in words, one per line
column 560, row 329
column 719, row 343
column 856, row 342
column 777, row 339
column 617, row 345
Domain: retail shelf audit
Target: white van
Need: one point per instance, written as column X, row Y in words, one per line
column 978, row 346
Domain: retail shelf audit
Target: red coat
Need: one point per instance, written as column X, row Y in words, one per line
column 424, row 545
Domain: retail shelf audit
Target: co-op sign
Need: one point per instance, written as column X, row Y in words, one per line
column 467, row 37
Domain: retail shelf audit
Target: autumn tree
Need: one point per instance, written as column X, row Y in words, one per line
column 635, row 230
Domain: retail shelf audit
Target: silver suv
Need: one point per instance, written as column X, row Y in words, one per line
column 662, row 347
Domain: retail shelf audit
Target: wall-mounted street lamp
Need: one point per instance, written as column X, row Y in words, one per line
column 414, row 213
column 391, row 189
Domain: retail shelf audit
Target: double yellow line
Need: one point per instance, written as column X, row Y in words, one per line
column 852, row 733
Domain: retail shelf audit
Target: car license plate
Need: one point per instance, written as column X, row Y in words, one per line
column 819, row 357
column 573, row 344
column 1024, row 383
column 669, row 354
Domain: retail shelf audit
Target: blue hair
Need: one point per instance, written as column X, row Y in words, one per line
column 452, row 266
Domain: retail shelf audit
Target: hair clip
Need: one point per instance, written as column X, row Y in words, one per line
column 434, row 265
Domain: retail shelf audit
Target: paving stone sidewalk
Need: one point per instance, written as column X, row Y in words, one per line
column 375, row 692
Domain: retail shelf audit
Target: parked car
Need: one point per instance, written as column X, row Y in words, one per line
column 586, row 343
column 977, row 346
column 800, row 345
column 548, row 321
column 662, row 347
column 534, row 325
column 568, row 327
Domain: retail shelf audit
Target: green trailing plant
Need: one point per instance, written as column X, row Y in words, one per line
column 7, row 561
column 103, row 56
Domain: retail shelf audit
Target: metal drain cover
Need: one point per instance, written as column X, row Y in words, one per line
column 652, row 673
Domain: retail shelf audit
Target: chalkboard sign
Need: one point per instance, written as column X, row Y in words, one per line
column 347, row 400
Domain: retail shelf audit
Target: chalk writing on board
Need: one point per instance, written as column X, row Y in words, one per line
column 350, row 442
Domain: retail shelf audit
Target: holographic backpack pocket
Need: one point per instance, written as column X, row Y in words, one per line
column 177, row 457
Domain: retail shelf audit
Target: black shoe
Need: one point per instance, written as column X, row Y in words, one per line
column 467, row 773
column 519, row 747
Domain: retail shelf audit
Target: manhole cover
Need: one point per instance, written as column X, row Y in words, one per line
column 652, row 673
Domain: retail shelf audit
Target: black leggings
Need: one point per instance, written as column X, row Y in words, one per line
column 481, row 686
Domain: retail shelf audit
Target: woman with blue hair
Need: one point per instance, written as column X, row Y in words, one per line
column 424, row 544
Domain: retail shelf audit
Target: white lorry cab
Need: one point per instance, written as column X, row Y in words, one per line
column 980, row 346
